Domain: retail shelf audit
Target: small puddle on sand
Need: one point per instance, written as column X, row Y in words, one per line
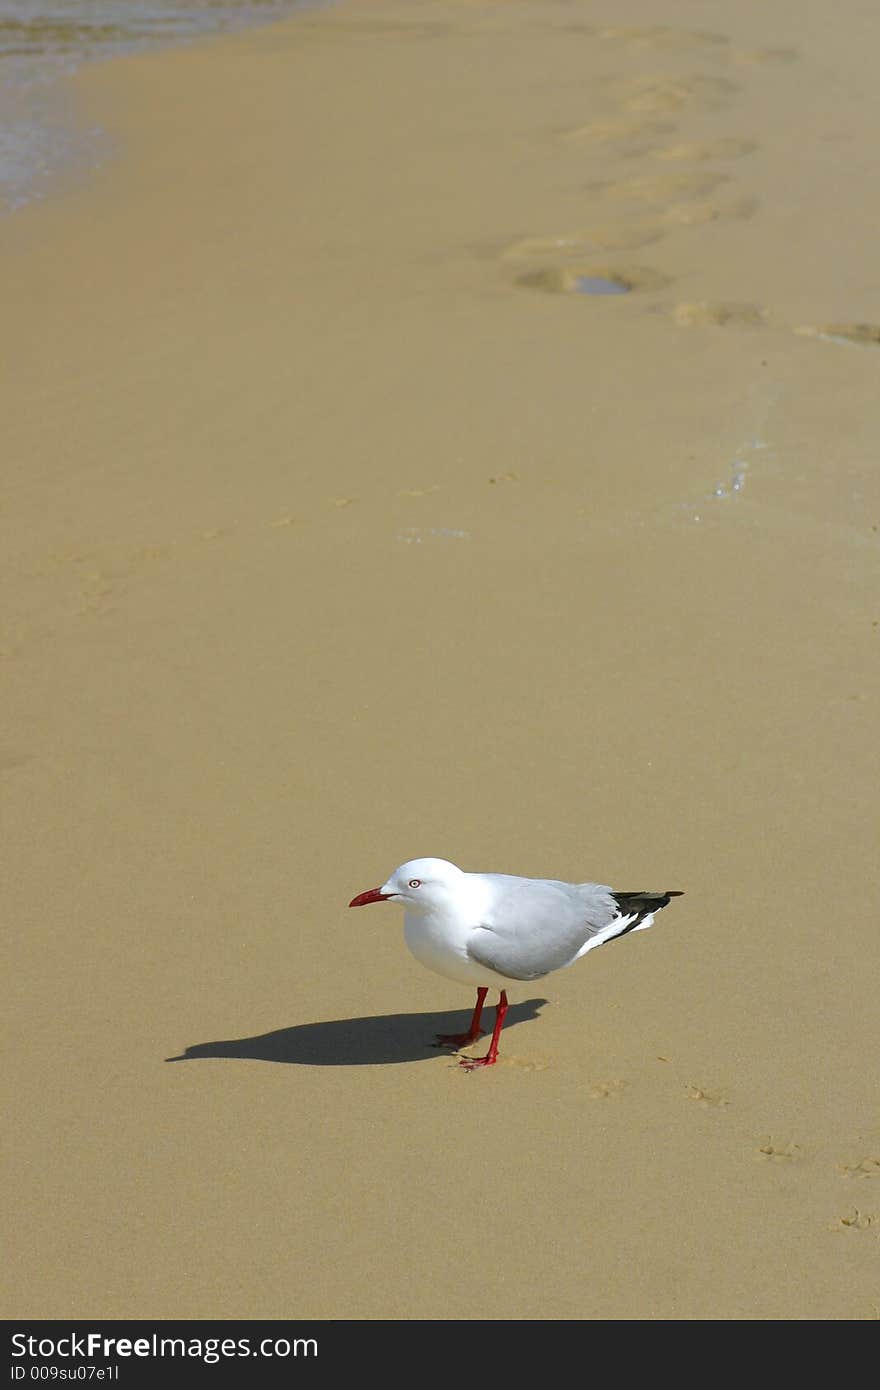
column 593, row 279
column 597, row 284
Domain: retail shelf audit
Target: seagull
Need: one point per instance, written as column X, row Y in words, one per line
column 495, row 930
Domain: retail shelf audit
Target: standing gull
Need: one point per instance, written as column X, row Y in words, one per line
column 493, row 930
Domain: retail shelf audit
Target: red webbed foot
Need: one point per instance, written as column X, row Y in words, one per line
column 471, row 1063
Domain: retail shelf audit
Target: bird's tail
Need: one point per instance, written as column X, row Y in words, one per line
column 641, row 907
column 635, row 912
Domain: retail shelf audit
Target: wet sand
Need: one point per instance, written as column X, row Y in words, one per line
column 42, row 142
column 342, row 527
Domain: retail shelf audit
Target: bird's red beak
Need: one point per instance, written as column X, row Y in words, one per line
column 372, row 895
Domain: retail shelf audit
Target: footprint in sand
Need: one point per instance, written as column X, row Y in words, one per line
column 658, row 36
column 865, row 1168
column 418, row 535
column 524, row 1063
column 506, row 1059
column 599, row 280
column 727, row 147
column 857, row 1220
column 704, row 1096
column 658, row 93
column 215, row 533
column 701, row 1094
column 771, row 1152
column 855, row 334
column 604, row 1090
column 706, row 314
column 697, row 214
column 660, row 189
column 586, row 242
column 615, row 128
column 115, row 580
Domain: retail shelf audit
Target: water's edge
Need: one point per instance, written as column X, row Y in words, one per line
column 43, row 140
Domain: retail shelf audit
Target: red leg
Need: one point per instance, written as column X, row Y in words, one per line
column 491, row 1056
column 474, row 1032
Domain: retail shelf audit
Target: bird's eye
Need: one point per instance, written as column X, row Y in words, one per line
column 415, row 883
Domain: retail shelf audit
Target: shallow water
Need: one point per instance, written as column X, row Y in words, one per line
column 43, row 40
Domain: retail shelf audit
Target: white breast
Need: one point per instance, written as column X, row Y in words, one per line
column 438, row 939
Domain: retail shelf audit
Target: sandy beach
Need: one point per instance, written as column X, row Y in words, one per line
column 343, row 525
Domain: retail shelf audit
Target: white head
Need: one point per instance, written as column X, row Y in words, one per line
column 420, row 884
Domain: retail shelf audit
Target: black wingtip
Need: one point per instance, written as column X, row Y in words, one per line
column 642, row 904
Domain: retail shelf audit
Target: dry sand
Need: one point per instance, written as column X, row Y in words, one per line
column 340, row 530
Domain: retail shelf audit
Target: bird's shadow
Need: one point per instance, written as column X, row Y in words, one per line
column 354, row 1042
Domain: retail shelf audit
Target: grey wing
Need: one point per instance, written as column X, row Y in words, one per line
column 539, row 925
